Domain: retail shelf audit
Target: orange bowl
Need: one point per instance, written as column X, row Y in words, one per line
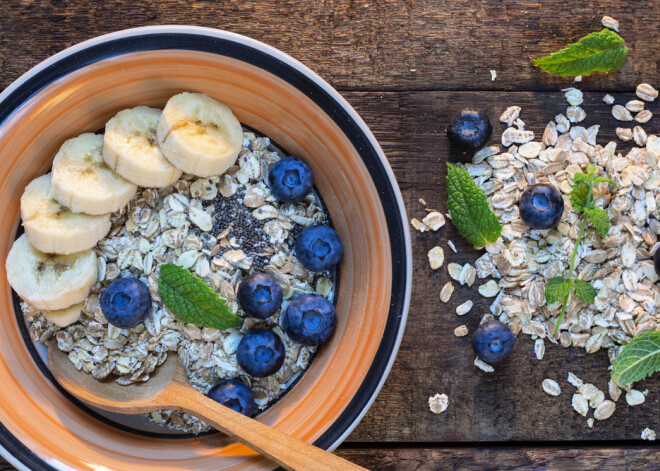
column 77, row 91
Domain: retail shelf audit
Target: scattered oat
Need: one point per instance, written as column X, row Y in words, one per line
column 464, row 308
column 580, row 404
column 436, row 257
column 550, row 386
column 614, row 390
column 577, row 78
column 493, row 75
column 608, row 99
column 575, row 114
column 451, row 246
column 438, row 403
column 635, row 397
column 489, row 289
column 434, row 220
column 620, row 113
column 625, row 134
column 446, row 292
column 422, row 201
column 461, row 331
column 418, row 225
column 482, row 365
column 643, row 116
column 635, row 106
column 604, row 410
column 610, row 23
column 590, row 422
column 573, row 96
column 574, row 380
column 646, row 92
column 639, row 136
column 510, row 115
column 539, row 348
column 648, row 434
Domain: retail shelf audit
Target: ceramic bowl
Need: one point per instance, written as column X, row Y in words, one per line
column 78, row 90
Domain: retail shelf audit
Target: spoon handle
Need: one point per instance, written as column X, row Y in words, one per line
column 288, row 452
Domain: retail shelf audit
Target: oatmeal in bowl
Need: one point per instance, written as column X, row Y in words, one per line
column 251, row 232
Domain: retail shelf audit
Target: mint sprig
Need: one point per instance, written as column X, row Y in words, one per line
column 582, row 202
column 469, row 209
column 638, row 359
column 192, row 300
column 601, row 51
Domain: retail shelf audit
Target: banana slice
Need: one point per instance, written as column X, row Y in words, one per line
column 52, row 228
column 83, row 182
column 130, row 148
column 48, row 281
column 64, row 317
column 199, row 135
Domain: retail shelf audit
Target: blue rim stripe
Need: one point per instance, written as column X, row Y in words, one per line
column 226, row 47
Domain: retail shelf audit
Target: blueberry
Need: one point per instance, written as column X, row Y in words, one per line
column 234, row 394
column 290, row 180
column 310, row 320
column 126, row 303
column 469, row 129
column 493, row 341
column 318, row 248
column 260, row 295
column 541, row 206
column 260, row 353
column 656, row 261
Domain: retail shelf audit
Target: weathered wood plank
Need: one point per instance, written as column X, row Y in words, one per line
column 478, row 459
column 508, row 404
column 366, row 45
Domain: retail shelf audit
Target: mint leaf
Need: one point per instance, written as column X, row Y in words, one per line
column 603, row 179
column 585, row 291
column 600, row 51
column 578, row 177
column 600, row 220
column 469, row 209
column 580, row 194
column 637, row 360
column 556, row 289
column 193, row 301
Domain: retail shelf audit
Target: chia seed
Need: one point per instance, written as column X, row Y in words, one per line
column 246, row 230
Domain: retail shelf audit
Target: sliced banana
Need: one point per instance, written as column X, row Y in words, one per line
column 130, row 148
column 48, row 281
column 83, row 182
column 199, row 135
column 52, row 228
column 64, row 317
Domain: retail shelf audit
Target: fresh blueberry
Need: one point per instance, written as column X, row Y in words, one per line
column 318, row 248
column 260, row 295
column 310, row 320
column 290, row 180
column 469, row 129
column 656, row 261
column 126, row 303
column 493, row 341
column 541, row 206
column 234, row 394
column 260, row 353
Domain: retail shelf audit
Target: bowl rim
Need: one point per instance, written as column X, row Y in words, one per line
column 49, row 70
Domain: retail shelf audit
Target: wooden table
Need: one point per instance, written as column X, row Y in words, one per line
column 406, row 65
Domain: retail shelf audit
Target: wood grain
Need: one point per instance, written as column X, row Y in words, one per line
column 393, row 58
column 508, row 404
column 363, row 44
column 479, row 459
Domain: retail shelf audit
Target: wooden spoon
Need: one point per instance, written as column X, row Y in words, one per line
column 168, row 388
